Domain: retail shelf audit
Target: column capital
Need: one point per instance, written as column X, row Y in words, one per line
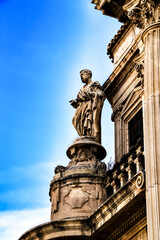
column 141, row 12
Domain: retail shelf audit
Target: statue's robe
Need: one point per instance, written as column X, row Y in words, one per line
column 87, row 117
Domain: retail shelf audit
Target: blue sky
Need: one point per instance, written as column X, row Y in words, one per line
column 43, row 46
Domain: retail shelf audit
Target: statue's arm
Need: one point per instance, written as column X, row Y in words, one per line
column 81, row 97
column 74, row 103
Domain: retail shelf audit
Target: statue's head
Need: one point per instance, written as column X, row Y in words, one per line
column 85, row 75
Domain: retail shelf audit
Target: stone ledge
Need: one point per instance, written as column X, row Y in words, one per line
column 117, row 201
column 58, row 229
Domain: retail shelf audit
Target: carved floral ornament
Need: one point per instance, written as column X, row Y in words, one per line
column 139, row 67
column 142, row 13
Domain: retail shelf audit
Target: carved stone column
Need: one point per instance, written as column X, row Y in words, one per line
column 145, row 14
column 151, row 38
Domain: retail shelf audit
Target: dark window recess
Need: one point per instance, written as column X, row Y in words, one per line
column 135, row 127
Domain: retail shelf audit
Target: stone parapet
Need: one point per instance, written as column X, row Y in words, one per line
column 131, row 164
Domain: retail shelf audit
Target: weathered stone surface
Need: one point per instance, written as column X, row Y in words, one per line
column 151, row 37
column 78, row 190
column 85, row 149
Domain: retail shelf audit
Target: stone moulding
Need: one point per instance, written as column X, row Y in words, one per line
column 88, row 143
column 111, row 8
column 57, row 229
column 115, row 203
column 120, row 66
column 131, row 4
column 128, row 224
column 116, row 38
column 147, row 29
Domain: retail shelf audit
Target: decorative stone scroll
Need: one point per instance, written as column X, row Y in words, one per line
column 140, row 180
column 135, row 16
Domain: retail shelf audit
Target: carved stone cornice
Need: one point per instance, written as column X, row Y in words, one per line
column 116, row 39
column 128, row 224
column 125, row 60
column 112, row 8
column 57, row 229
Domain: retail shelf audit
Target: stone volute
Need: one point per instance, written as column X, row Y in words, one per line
column 78, row 189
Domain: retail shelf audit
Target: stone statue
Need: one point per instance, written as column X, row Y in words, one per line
column 89, row 103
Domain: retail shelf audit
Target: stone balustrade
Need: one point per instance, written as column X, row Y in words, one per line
column 130, row 165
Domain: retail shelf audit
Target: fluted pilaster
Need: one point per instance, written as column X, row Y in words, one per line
column 151, row 39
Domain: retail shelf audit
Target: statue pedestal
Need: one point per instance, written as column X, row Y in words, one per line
column 77, row 190
column 85, row 151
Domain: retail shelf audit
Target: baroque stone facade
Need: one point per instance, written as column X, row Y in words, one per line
column 89, row 201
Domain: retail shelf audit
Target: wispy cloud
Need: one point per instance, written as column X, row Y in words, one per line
column 14, row 223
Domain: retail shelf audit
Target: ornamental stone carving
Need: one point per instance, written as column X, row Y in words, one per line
column 59, row 169
column 87, row 153
column 140, row 180
column 76, row 197
column 148, row 7
column 135, row 16
column 140, row 72
column 141, row 13
column 55, row 198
